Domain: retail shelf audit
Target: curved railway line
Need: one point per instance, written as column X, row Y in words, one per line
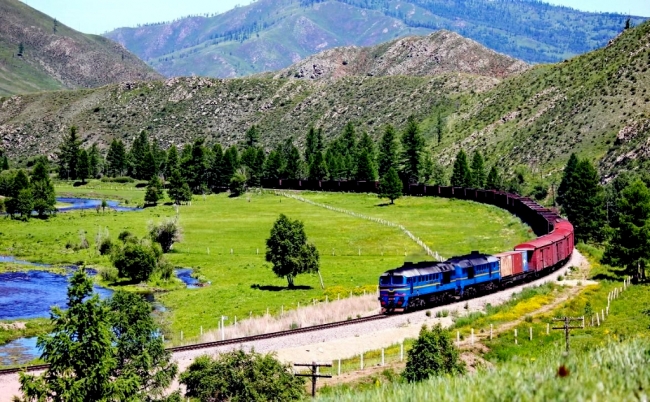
column 543, row 222
column 208, row 345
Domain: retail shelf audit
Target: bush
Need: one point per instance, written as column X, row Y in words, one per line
column 166, row 269
column 238, row 184
column 166, row 234
column 108, row 274
column 240, row 376
column 135, row 261
column 126, row 236
column 433, row 354
column 106, row 246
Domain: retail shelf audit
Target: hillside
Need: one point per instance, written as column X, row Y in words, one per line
column 438, row 53
column 269, row 35
column 57, row 57
column 597, row 105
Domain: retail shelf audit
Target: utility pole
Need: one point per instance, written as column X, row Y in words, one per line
column 314, row 374
column 566, row 327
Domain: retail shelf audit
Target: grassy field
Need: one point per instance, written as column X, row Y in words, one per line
column 242, row 282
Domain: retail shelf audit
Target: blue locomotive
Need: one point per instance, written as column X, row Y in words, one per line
column 415, row 285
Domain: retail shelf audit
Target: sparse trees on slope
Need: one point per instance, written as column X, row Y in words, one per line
column 288, row 250
column 433, row 354
column 390, row 186
column 630, row 243
column 252, row 137
column 461, row 175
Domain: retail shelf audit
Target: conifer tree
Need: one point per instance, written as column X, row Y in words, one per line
column 216, row 166
column 253, row 158
column 412, row 148
column 461, row 175
column 388, row 152
column 252, row 137
column 567, row 176
column 293, row 166
column 494, row 181
column 83, row 167
column 438, row 176
column 69, row 155
column 5, row 163
column 318, row 167
column 630, row 243
column 273, row 165
column 93, row 161
column 390, row 186
column 178, row 189
column 116, row 158
column 333, row 162
column 173, row 162
column 478, row 171
column 311, row 146
column 42, row 188
column 583, row 202
column 366, row 169
column 137, row 156
column 148, row 166
column 230, row 165
column 194, row 167
column 154, row 191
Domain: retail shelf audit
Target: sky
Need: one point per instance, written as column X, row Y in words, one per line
column 99, row 16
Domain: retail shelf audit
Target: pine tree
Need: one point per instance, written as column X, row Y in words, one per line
column 333, row 162
column 567, row 176
column 159, row 156
column 461, row 175
column 630, row 244
column 388, row 152
column 293, row 166
column 93, row 161
column 390, row 186
column 69, row 155
column 154, row 191
column 230, row 164
column 438, row 177
column 583, row 202
column 494, row 181
column 148, row 166
column 253, row 158
column 478, row 171
column 215, row 168
column 318, row 167
column 366, row 167
column 116, row 159
column 137, row 156
column 5, row 163
column 172, row 160
column 273, row 166
column 178, row 189
column 252, row 137
column 42, row 188
column 194, row 167
column 311, row 146
column 412, row 148
column 83, row 167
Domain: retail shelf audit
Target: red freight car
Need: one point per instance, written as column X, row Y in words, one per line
column 549, row 250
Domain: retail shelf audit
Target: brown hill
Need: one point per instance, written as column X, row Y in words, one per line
column 438, row 53
column 38, row 53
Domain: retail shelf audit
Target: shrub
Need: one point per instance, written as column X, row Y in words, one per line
column 433, row 354
column 165, row 268
column 105, row 246
column 238, row 184
column 166, row 234
column 126, row 236
column 108, row 274
column 135, row 261
column 122, row 180
column 240, row 376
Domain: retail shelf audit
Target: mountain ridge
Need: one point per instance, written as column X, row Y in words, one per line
column 57, row 57
column 269, row 35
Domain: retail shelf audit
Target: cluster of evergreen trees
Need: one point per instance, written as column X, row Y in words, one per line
column 616, row 215
column 474, row 176
column 24, row 194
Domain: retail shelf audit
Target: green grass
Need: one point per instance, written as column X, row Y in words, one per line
column 616, row 372
column 215, row 225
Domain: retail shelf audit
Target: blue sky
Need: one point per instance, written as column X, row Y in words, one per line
column 99, row 16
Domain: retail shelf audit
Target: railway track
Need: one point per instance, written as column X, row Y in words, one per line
column 208, row 345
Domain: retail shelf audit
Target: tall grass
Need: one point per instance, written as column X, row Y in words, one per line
column 615, row 372
column 321, row 313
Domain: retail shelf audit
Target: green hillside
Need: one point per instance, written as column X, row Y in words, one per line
column 272, row 34
column 38, row 53
column 597, row 105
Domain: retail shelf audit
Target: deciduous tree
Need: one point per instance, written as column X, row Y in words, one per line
column 288, row 250
column 433, row 354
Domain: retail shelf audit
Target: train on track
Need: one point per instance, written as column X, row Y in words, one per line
column 417, row 285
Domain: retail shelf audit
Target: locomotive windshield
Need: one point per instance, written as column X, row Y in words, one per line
column 384, row 280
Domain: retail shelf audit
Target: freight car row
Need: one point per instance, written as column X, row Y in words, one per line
column 429, row 283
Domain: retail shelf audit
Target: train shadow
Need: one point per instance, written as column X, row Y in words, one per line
column 273, row 288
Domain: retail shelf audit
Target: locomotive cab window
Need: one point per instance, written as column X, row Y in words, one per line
column 384, row 280
column 446, row 277
column 398, row 280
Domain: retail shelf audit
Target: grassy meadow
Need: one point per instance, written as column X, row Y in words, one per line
column 242, row 282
